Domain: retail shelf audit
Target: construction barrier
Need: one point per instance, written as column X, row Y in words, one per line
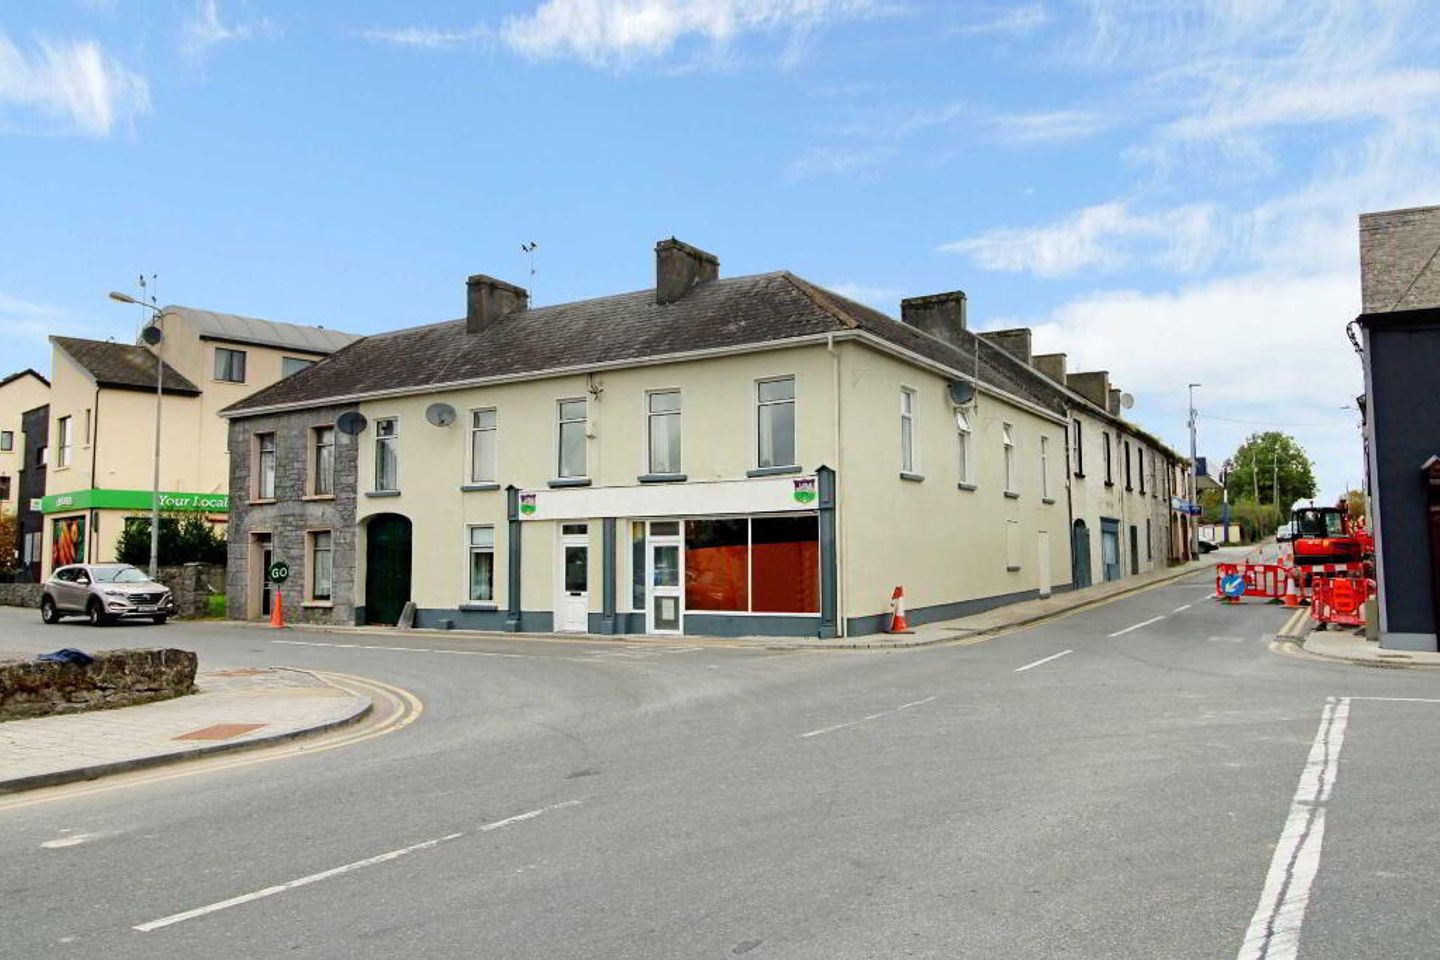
column 1341, row 600
column 1307, row 575
column 1236, row 580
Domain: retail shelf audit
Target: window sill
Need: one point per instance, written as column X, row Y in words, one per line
column 912, row 477
column 967, row 486
column 318, row 605
column 772, row 471
column 474, row 487
column 1011, row 495
column 1079, row 475
column 382, row 493
column 662, row 478
column 262, row 501
column 570, row 482
column 476, row 606
column 1012, row 569
column 318, row 496
column 1048, row 501
column 1109, row 483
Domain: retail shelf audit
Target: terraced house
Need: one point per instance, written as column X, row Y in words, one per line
column 750, row 455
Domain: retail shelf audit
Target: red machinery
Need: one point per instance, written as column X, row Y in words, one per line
column 1326, row 535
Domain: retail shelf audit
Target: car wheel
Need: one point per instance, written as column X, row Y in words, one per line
column 97, row 614
column 48, row 613
column 161, row 619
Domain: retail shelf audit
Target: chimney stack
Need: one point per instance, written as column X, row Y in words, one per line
column 488, row 300
column 1114, row 406
column 942, row 315
column 1015, row 342
column 1052, row 365
column 679, row 266
column 1093, row 386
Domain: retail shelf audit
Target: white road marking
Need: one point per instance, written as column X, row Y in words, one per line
column 1053, row 656
column 1145, row 623
column 1396, row 699
column 340, row 870
column 874, row 716
column 1274, row 931
column 73, row 841
column 1182, row 609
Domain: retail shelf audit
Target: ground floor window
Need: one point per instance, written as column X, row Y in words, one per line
column 753, row 565
column 482, row 564
column 321, row 552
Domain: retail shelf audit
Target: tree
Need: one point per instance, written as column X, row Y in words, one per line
column 1355, row 500
column 9, row 542
column 1268, row 463
column 184, row 538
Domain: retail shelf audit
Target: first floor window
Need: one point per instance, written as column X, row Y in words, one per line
column 1078, row 448
column 1128, row 485
column 962, row 427
column 324, row 481
column 65, row 442
column 1007, row 433
column 1109, row 474
column 482, row 564
column 320, row 564
column 289, row 365
column 907, row 430
column 387, row 454
column 7, row 440
column 572, row 438
column 663, row 414
column 265, row 467
column 1149, row 540
column 1045, row 467
column 229, row 365
column 483, row 430
column 775, row 413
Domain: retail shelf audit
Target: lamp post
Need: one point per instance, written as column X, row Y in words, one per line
column 1194, row 478
column 152, row 335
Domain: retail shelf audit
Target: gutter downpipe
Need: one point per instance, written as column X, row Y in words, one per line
column 94, row 439
column 843, row 581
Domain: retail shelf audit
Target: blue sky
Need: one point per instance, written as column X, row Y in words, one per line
column 1167, row 190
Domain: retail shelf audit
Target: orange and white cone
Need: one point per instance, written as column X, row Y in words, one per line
column 1292, row 592
column 898, row 623
column 277, row 618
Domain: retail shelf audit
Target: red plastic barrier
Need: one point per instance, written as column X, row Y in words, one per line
column 1341, row 600
column 1261, row 579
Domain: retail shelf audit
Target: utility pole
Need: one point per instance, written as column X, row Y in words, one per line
column 1194, row 481
column 1275, row 480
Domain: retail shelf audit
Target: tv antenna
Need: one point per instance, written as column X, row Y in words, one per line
column 152, row 288
column 529, row 250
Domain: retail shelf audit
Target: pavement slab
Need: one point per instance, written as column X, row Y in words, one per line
column 233, row 708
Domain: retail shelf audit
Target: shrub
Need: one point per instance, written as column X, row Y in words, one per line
column 184, row 538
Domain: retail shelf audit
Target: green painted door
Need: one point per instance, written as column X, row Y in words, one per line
column 387, row 568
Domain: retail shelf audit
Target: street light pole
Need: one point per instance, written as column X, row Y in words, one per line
column 153, row 336
column 1194, row 478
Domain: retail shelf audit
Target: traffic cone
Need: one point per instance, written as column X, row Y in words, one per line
column 1292, row 593
column 898, row 623
column 277, row 618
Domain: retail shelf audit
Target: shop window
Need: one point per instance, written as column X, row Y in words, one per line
column 571, row 438
column 717, row 565
column 483, row 430
column 663, row 414
column 482, row 564
column 785, row 564
column 229, row 365
column 775, row 422
column 387, row 454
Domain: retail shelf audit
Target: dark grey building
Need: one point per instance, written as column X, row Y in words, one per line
column 35, row 427
column 1400, row 340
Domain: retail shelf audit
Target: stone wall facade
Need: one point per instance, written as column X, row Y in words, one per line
column 192, row 585
column 20, row 595
column 116, row 678
column 292, row 516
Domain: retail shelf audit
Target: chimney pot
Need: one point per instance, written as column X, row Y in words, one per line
column 679, row 266
column 488, row 301
column 1114, row 407
column 942, row 315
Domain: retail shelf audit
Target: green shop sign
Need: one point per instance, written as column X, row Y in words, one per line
column 135, row 500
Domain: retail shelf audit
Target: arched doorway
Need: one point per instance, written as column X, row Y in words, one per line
column 1080, row 554
column 387, row 567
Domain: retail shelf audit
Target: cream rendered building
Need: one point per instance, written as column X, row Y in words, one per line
column 754, row 455
column 19, row 392
column 102, row 421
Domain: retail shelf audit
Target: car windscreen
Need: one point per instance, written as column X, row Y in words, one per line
column 119, row 575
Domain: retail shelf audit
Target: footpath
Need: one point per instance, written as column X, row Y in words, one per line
column 1352, row 647
column 995, row 620
column 234, row 709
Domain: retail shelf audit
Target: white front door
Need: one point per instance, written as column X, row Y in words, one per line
column 664, row 574
column 572, row 602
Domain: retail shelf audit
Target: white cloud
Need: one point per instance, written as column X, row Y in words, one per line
column 619, row 32
column 1026, row 19
column 69, row 86
column 1103, row 237
column 839, row 161
column 429, row 38
column 205, row 29
column 1052, row 126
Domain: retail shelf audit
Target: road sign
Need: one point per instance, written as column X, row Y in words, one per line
column 279, row 572
column 1233, row 585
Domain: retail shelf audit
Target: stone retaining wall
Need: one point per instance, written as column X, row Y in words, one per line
column 20, row 594
column 192, row 585
column 116, row 678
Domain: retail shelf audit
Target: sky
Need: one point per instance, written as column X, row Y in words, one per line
column 1165, row 190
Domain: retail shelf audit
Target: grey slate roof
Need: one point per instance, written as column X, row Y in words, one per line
column 123, row 366
column 27, row 372
column 264, row 333
column 732, row 312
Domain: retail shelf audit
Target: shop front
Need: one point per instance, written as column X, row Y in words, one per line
column 84, row 526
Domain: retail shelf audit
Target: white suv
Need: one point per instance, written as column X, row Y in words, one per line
column 104, row 592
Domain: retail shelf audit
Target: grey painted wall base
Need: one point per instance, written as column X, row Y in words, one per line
column 1414, row 642
column 862, row 626
column 531, row 621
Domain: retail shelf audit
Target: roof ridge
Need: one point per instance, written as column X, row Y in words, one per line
column 820, row 297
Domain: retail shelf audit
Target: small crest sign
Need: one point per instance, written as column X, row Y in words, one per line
column 805, row 490
column 527, row 504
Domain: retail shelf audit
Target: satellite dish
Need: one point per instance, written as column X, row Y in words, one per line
column 440, row 414
column 351, row 422
column 961, row 392
column 1126, row 401
column 152, row 335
